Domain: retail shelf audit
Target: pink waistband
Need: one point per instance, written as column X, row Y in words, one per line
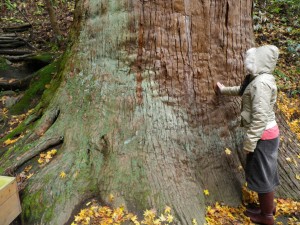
column 270, row 133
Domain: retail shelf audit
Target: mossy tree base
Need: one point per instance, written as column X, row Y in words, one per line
column 19, row 78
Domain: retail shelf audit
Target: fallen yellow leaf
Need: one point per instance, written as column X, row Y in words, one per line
column 62, row 174
column 27, row 168
column 40, row 161
column 206, row 192
column 134, row 218
column 149, row 213
column 48, row 156
column 53, row 151
column 281, row 138
column 9, row 141
column 227, row 151
column 170, row 218
column 162, row 218
column 30, row 175
column 194, row 221
column 111, row 197
column 156, row 222
column 168, row 209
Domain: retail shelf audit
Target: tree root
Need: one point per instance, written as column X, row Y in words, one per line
column 44, row 126
column 41, row 146
column 18, row 58
column 13, row 84
column 33, row 117
column 20, row 28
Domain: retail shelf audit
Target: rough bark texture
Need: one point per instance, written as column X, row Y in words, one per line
column 138, row 114
column 289, row 148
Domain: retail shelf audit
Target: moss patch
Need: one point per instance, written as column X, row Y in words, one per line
column 17, row 131
column 39, row 61
column 45, row 57
column 29, row 204
column 36, row 88
column 3, row 65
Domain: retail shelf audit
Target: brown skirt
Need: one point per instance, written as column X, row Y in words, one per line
column 261, row 166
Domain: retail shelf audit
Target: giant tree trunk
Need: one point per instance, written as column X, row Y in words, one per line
column 136, row 112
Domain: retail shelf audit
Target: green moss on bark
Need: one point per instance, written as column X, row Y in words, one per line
column 46, row 58
column 33, row 206
column 15, row 132
column 36, row 88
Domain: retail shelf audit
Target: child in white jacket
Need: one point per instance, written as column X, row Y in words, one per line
column 259, row 93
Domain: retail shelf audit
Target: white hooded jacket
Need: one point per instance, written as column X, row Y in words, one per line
column 259, row 97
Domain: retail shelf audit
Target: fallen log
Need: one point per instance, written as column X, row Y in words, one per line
column 12, row 45
column 8, row 35
column 14, row 52
column 18, row 58
column 20, row 28
column 27, row 43
column 8, row 41
column 16, row 40
column 7, row 38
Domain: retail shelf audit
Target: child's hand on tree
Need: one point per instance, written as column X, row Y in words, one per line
column 220, row 87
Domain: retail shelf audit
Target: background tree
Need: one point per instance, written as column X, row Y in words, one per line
column 133, row 112
column 53, row 20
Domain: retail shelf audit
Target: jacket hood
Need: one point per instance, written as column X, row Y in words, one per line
column 261, row 60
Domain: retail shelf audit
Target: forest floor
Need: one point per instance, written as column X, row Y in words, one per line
column 273, row 24
column 34, row 12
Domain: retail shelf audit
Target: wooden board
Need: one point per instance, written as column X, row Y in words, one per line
column 10, row 210
column 10, row 206
column 7, row 188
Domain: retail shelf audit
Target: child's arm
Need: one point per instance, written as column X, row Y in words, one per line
column 234, row 91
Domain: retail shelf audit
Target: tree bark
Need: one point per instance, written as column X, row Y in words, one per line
column 138, row 114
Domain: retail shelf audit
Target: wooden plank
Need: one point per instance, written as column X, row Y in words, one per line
column 10, row 206
column 8, row 187
column 5, row 180
column 10, row 209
